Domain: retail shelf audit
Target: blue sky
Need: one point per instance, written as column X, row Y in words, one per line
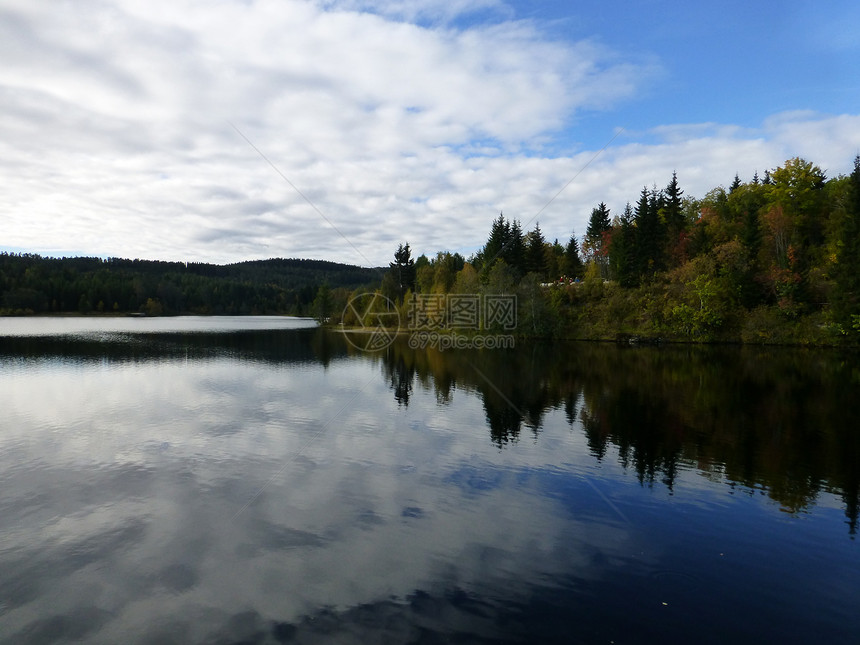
column 729, row 62
column 732, row 59
column 134, row 128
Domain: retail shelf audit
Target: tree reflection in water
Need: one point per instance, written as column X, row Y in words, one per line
column 782, row 420
column 776, row 419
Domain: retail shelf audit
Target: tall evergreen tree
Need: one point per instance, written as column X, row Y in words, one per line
column 514, row 252
column 599, row 227
column 535, row 252
column 598, row 224
column 499, row 237
column 622, row 252
column 649, row 233
column 673, row 217
column 736, row 183
column 572, row 260
column 403, row 270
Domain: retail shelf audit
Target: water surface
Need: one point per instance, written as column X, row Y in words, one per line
column 259, row 480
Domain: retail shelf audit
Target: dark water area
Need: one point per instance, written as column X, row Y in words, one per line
column 259, row 480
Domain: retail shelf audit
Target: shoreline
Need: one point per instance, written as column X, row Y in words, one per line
column 621, row 338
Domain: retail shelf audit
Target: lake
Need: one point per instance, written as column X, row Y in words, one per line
column 261, row 480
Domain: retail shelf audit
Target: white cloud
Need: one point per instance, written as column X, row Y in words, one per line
column 115, row 135
column 429, row 10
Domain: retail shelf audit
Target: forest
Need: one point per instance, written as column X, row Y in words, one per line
column 31, row 284
column 775, row 260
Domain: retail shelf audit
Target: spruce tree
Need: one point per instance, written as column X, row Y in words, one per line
column 403, row 270
column 499, row 237
column 673, row 216
column 572, row 259
column 736, row 183
column 535, row 253
column 514, row 252
column 649, row 233
column 622, row 252
column 599, row 226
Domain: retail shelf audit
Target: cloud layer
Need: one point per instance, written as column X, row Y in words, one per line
column 229, row 131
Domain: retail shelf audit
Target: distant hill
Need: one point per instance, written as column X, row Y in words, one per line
column 34, row 284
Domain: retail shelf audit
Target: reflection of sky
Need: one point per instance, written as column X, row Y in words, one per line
column 95, row 326
column 148, row 464
column 170, row 497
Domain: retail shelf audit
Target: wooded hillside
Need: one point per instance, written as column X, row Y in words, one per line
column 35, row 284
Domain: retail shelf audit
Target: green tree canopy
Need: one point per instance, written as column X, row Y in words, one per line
column 402, row 271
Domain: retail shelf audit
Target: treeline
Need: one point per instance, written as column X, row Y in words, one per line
column 34, row 284
column 774, row 259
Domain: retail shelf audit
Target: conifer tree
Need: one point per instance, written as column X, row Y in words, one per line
column 572, row 260
column 598, row 224
column 596, row 235
column 403, row 270
column 535, row 252
column 514, row 252
column 499, row 237
column 622, row 252
column 673, row 216
column 736, row 183
column 649, row 233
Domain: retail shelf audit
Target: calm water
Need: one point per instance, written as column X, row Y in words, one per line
column 257, row 480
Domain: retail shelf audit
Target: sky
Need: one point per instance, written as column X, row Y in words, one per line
column 228, row 130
